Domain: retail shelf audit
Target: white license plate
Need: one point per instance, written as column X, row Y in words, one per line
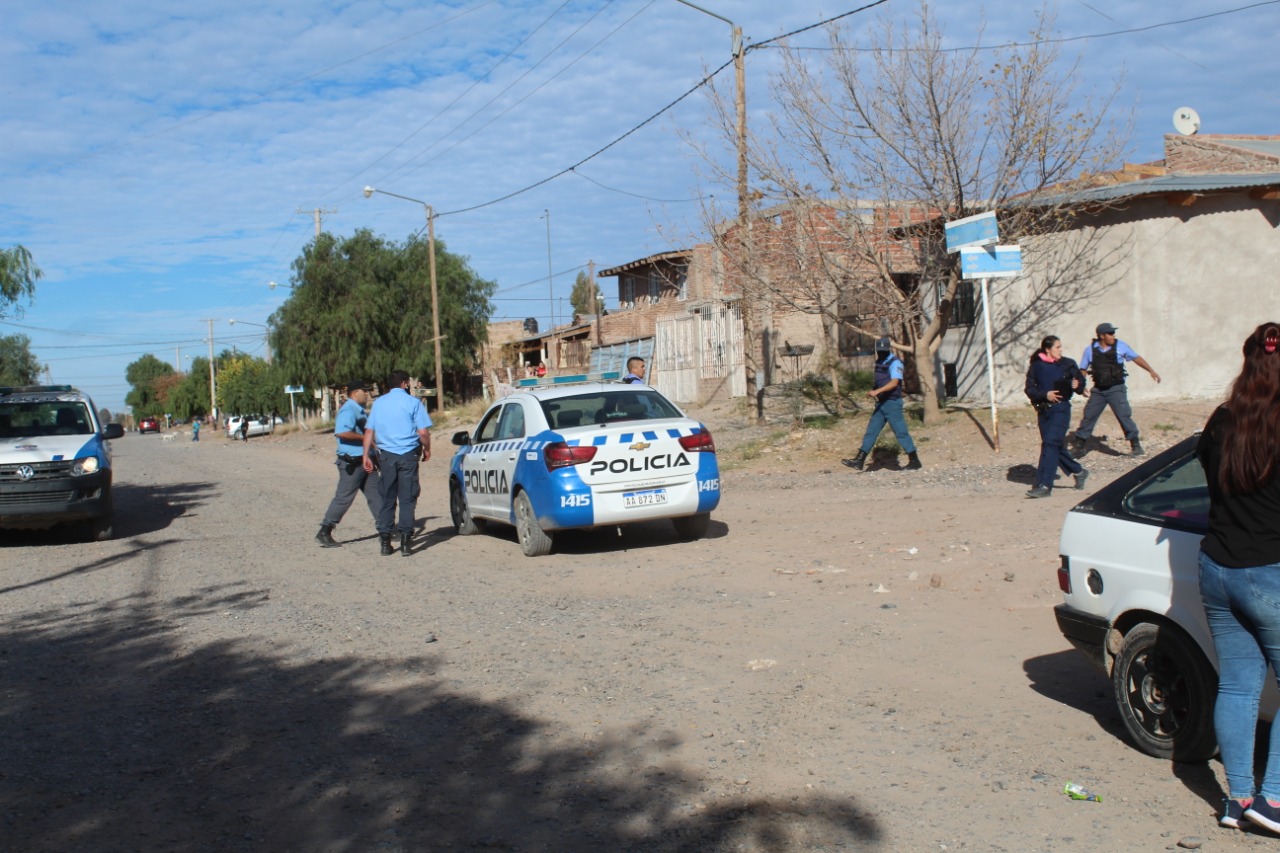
column 648, row 498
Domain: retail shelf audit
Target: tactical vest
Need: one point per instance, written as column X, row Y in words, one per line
column 882, row 378
column 1106, row 367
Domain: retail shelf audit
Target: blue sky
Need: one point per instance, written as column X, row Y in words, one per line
column 162, row 160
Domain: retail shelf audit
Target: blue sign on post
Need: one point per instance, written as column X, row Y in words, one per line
column 978, row 230
column 991, row 262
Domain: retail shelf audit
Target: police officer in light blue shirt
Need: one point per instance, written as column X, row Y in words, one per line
column 887, row 392
column 1105, row 359
column 348, row 429
column 398, row 435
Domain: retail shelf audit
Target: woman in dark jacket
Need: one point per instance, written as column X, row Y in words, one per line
column 1052, row 379
column 1240, row 572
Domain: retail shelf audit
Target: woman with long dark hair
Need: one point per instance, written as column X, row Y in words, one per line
column 1052, row 379
column 1240, row 570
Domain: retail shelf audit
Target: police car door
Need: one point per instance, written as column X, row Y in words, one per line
column 505, row 455
column 475, row 464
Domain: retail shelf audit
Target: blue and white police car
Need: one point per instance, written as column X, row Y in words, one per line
column 575, row 453
column 55, row 463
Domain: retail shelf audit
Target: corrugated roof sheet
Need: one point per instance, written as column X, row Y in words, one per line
column 1174, row 184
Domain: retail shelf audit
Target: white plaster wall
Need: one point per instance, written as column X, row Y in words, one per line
column 1195, row 282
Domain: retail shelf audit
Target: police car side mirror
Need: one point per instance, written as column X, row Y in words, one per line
column 462, row 438
column 111, row 431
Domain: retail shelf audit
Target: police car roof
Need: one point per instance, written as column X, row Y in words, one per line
column 42, row 392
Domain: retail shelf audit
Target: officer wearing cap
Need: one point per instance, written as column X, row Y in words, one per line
column 348, row 429
column 1105, row 359
column 887, row 392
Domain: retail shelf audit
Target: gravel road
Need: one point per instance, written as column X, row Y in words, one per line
column 847, row 662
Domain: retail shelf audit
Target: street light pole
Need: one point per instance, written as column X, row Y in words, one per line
column 435, row 302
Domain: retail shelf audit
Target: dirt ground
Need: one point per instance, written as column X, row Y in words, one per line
column 849, row 661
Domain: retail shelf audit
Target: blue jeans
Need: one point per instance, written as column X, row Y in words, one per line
column 1243, row 608
column 398, row 481
column 1054, row 423
column 890, row 412
column 1117, row 397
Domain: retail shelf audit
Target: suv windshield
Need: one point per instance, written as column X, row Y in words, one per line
column 608, row 407
column 55, row 417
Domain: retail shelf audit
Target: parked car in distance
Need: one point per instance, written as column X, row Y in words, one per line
column 561, row 456
column 147, row 425
column 1131, row 602
column 258, row 425
column 55, row 461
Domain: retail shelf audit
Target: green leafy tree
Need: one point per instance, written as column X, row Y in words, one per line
column 190, row 399
column 361, row 307
column 144, row 396
column 18, row 276
column 249, row 386
column 586, row 296
column 18, row 365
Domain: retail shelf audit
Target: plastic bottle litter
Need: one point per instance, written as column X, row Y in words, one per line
column 1079, row 792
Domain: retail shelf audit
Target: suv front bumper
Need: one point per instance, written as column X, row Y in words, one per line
column 46, row 502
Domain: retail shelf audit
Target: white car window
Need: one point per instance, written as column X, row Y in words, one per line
column 1177, row 493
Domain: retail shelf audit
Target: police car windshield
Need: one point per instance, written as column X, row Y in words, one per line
column 609, row 407
column 56, row 417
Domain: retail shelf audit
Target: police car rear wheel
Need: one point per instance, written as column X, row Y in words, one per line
column 460, row 512
column 534, row 541
column 692, row 527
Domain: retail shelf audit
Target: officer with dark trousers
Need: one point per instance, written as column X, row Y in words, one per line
column 398, row 431
column 348, row 429
column 887, row 392
column 1105, row 358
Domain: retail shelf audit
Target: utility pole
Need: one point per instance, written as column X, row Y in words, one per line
column 595, row 297
column 213, row 386
column 551, row 293
column 317, row 213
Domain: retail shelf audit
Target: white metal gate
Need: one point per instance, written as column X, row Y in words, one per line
column 706, row 345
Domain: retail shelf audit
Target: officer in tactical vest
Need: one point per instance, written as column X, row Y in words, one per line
column 887, row 392
column 1105, row 359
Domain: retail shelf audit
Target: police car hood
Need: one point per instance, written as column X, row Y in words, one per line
column 48, row 448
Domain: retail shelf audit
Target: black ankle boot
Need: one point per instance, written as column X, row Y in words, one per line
column 385, row 540
column 325, row 537
column 856, row 462
column 406, row 541
column 914, row 462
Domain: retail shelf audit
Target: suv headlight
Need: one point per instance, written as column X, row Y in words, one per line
column 88, row 465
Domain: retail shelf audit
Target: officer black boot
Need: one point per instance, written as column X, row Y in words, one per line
column 1077, row 447
column 1136, row 447
column 385, row 540
column 856, row 462
column 914, row 461
column 406, row 547
column 325, row 537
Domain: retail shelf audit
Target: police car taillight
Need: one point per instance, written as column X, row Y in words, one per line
column 699, row 442
column 561, row 455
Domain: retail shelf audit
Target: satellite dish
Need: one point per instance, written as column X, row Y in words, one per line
column 1186, row 121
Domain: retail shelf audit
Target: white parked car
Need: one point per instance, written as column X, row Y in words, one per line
column 258, row 425
column 1131, row 602
column 564, row 456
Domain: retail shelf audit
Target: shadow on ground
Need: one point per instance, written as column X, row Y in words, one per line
column 138, row 510
column 121, row 736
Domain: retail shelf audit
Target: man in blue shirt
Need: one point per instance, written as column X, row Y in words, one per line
column 1105, row 358
column 348, row 429
column 397, row 433
column 635, row 371
column 887, row 392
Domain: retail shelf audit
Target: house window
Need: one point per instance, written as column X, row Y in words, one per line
column 682, row 284
column 964, row 310
column 853, row 342
column 628, row 289
column 655, row 286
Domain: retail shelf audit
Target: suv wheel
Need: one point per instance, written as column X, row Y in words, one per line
column 1165, row 690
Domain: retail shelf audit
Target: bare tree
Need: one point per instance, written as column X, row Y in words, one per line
column 873, row 149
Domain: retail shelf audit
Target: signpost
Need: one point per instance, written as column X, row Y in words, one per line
column 975, row 238
column 293, row 409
